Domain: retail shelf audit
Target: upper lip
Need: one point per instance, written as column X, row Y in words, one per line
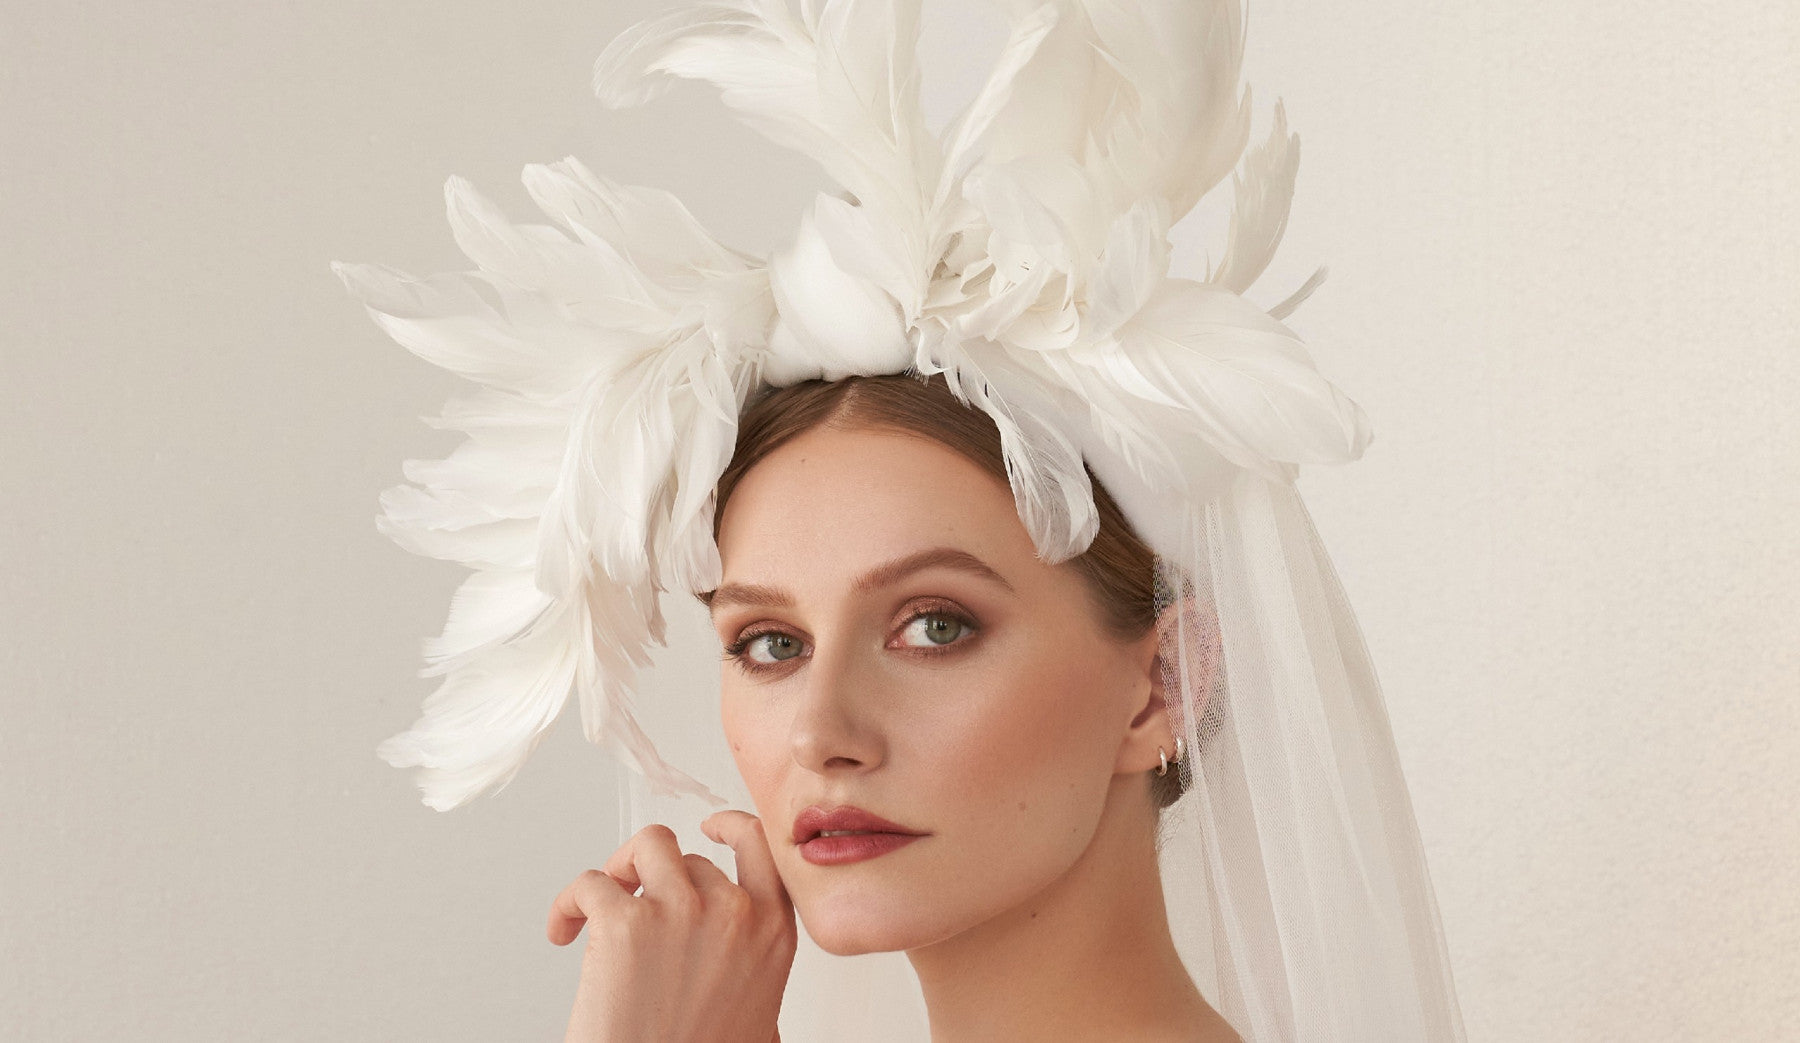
column 815, row 820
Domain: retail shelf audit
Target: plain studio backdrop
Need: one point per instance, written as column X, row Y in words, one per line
column 1563, row 283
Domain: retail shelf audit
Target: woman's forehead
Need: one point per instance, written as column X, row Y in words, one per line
column 846, row 503
column 829, row 476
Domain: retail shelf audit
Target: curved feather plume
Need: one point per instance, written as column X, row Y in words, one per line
column 1232, row 376
column 616, row 339
column 1141, row 95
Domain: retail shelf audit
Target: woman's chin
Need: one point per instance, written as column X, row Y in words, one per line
column 848, row 943
column 853, row 928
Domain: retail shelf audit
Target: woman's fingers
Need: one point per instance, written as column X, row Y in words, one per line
column 743, row 833
column 708, row 879
column 592, row 894
column 651, row 859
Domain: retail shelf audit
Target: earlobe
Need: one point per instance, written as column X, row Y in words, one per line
column 1151, row 725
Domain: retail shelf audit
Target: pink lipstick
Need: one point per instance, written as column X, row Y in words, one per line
column 842, row 835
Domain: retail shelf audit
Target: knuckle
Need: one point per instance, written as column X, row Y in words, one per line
column 615, row 936
column 590, row 883
column 657, row 831
column 737, row 904
column 634, row 921
column 683, row 910
column 682, row 901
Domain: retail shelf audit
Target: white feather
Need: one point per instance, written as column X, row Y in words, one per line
column 461, row 323
column 1178, row 120
column 832, row 323
column 1263, row 193
column 489, row 607
column 492, row 409
column 967, row 131
column 453, row 526
column 1243, row 381
column 509, row 471
column 1133, row 265
column 1295, row 299
column 649, row 229
column 590, row 280
column 588, row 358
column 466, row 740
column 1043, row 465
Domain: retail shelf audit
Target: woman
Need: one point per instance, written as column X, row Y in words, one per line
column 960, row 726
column 991, row 729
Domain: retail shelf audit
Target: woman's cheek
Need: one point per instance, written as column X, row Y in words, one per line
column 1004, row 745
column 1059, row 753
column 757, row 746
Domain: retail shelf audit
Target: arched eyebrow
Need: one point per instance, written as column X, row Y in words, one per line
column 884, row 575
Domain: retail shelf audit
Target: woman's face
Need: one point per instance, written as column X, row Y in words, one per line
column 901, row 650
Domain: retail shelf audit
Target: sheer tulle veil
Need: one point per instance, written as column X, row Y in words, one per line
column 1023, row 253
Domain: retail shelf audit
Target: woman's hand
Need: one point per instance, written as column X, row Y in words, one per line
column 695, row 958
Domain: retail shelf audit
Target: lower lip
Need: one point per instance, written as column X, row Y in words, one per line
column 840, row 851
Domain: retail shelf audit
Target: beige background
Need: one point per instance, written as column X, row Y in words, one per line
column 1562, row 238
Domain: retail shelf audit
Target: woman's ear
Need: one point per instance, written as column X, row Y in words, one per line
column 1186, row 632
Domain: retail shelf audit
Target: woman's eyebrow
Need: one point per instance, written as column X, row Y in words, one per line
column 874, row 579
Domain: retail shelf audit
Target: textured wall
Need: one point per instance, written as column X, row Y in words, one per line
column 1562, row 242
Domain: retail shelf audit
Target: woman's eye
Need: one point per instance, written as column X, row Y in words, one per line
column 926, row 630
column 773, row 648
column 934, row 629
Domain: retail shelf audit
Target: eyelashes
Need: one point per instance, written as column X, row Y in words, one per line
column 964, row 628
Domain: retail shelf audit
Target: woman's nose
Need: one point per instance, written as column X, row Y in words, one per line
column 834, row 729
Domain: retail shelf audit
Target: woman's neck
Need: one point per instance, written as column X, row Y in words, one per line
column 1089, row 957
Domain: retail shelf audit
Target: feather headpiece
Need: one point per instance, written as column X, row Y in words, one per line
column 1023, row 253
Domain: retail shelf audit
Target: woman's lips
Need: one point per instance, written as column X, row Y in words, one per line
column 842, row 835
column 853, row 847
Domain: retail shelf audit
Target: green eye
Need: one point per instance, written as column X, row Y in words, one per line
column 777, row 647
column 935, row 629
